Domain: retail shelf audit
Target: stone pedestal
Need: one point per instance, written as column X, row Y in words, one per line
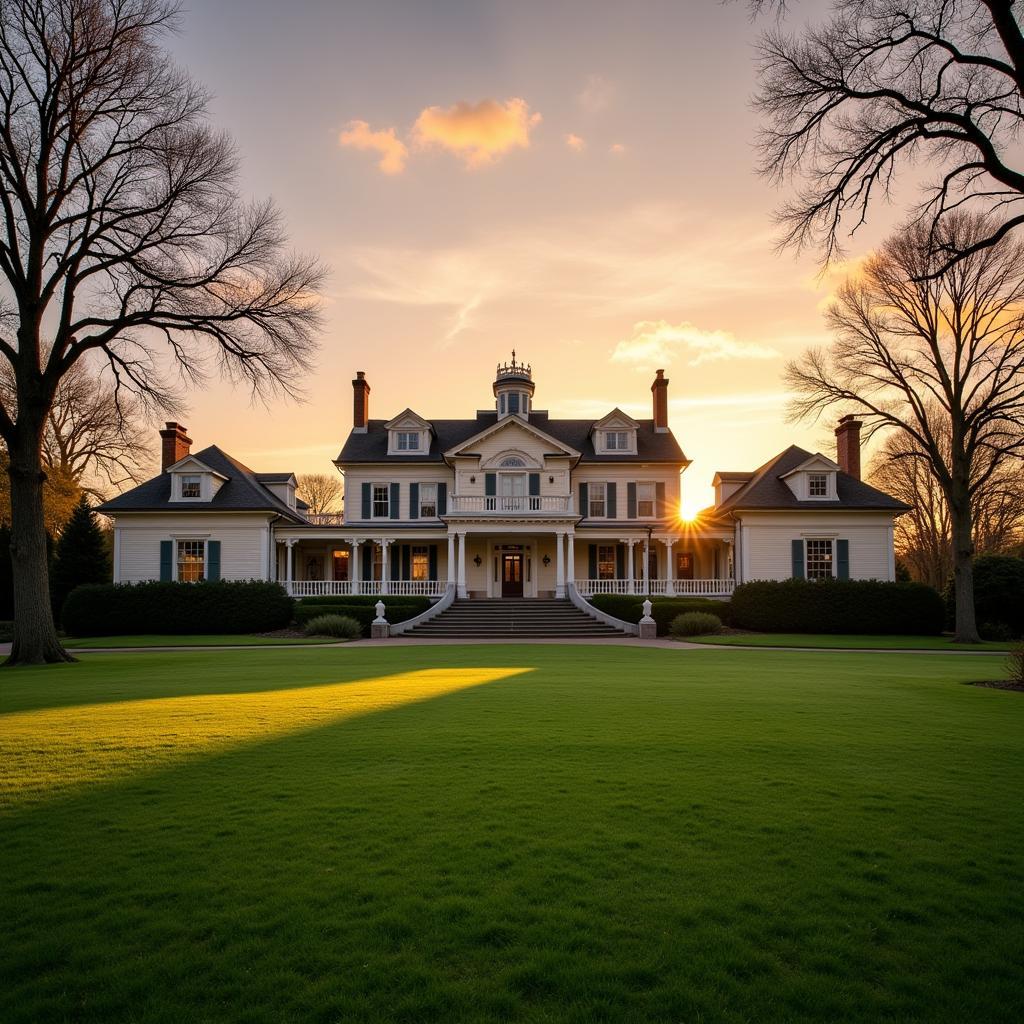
column 379, row 630
column 648, row 627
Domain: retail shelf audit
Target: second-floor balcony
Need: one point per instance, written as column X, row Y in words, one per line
column 511, row 504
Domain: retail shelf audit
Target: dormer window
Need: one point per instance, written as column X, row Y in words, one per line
column 616, row 440
column 191, row 486
column 817, row 485
column 408, row 441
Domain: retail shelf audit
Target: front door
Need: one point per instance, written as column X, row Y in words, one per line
column 511, row 575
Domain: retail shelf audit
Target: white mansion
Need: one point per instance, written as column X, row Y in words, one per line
column 507, row 503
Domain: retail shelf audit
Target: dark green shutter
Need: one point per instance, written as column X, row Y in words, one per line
column 166, row 560
column 432, row 571
column 396, row 496
column 414, row 501
column 631, row 501
column 592, row 559
column 366, row 554
column 843, row 559
column 395, row 562
column 612, row 504
column 798, row 559
column 442, row 499
column 620, row 561
column 213, row 559
column 534, row 485
column 367, row 509
column 584, row 509
column 659, row 501
column 490, row 484
column 406, row 562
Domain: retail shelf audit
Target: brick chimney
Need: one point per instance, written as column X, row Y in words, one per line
column 360, row 403
column 848, row 445
column 175, row 444
column 660, row 391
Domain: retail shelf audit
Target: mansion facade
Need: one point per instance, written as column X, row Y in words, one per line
column 510, row 503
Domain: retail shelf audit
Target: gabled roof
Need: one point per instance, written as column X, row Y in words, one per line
column 407, row 416
column 651, row 446
column 242, row 491
column 767, row 489
column 507, row 423
column 197, row 463
column 816, row 461
column 616, row 415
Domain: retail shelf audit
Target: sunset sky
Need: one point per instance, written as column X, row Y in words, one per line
column 572, row 180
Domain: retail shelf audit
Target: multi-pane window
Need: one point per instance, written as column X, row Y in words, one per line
column 408, row 440
column 616, row 440
column 819, row 559
column 817, row 485
column 513, row 402
column 191, row 560
column 428, row 501
column 645, row 501
column 420, row 563
column 606, row 561
column 190, row 487
column 597, row 498
column 381, row 501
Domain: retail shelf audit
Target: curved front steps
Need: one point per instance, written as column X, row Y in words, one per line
column 513, row 619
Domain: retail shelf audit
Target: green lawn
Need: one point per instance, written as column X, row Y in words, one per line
column 501, row 833
column 199, row 640
column 855, row 641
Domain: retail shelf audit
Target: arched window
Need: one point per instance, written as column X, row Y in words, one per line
column 513, row 462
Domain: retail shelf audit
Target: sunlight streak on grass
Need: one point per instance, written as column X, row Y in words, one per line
column 54, row 749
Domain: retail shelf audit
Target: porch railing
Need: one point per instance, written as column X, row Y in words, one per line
column 338, row 588
column 510, row 504
column 679, row 588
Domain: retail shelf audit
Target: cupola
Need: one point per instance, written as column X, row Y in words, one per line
column 513, row 389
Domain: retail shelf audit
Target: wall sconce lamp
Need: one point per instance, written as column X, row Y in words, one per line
column 551, row 479
column 472, row 479
column 546, row 560
column 478, row 561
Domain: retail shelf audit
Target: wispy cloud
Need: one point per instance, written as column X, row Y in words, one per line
column 393, row 152
column 477, row 133
column 596, row 95
column 617, row 148
column 574, row 142
column 656, row 343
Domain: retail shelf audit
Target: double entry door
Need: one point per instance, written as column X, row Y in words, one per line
column 511, row 574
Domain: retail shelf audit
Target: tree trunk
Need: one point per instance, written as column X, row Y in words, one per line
column 963, row 573
column 35, row 636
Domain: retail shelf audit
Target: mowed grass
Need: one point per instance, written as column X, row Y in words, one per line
column 196, row 640
column 501, row 833
column 853, row 641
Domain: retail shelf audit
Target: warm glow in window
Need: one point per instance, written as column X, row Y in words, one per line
column 420, row 563
column 597, row 500
column 606, row 562
column 191, row 560
column 190, row 487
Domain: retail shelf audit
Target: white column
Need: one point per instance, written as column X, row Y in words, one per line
column 451, row 557
column 630, row 575
column 570, row 540
column 670, row 571
column 355, row 569
column 646, row 567
column 385, row 575
column 559, row 565
column 462, row 565
column 289, row 565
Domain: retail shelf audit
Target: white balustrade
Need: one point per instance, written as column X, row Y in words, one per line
column 338, row 588
column 509, row 504
column 682, row 588
column 326, row 518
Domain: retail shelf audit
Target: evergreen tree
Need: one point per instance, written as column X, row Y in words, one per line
column 81, row 555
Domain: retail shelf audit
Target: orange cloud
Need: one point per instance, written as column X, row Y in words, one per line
column 575, row 142
column 393, row 152
column 616, row 148
column 657, row 343
column 477, row 134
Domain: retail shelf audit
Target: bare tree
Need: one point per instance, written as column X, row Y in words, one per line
column 124, row 236
column 936, row 352
column 924, row 535
column 93, row 435
column 884, row 86
column 320, row 491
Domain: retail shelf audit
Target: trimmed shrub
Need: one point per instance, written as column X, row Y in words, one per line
column 341, row 626
column 695, row 624
column 1015, row 665
column 663, row 609
column 837, row 606
column 213, row 606
column 998, row 597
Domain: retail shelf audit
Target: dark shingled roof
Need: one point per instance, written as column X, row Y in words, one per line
column 242, row 491
column 372, row 446
column 767, row 490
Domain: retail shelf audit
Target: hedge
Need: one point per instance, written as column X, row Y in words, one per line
column 837, row 606
column 217, row 606
column 663, row 609
column 998, row 597
column 395, row 610
column 367, row 599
